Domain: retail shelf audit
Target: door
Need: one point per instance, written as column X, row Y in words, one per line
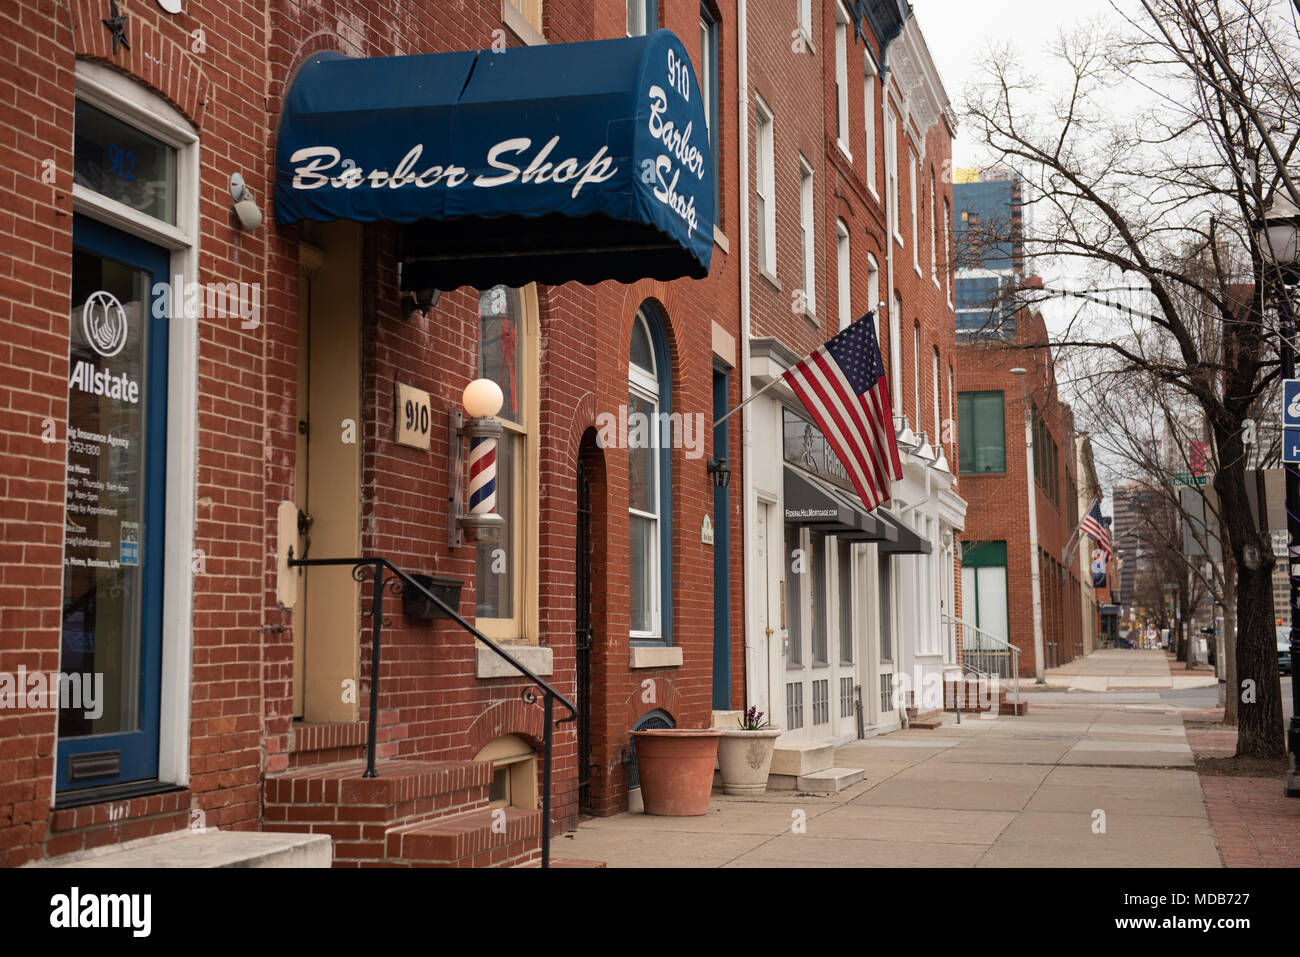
column 771, row 605
column 808, row 671
column 111, row 647
column 582, row 623
column 721, row 555
column 886, row 645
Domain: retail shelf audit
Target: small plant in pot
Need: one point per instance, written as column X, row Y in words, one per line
column 745, row 754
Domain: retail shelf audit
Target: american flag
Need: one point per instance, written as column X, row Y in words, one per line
column 1093, row 526
column 842, row 385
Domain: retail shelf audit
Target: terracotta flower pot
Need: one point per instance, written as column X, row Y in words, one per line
column 675, row 766
column 745, row 758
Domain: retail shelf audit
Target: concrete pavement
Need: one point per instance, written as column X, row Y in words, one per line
column 1060, row 787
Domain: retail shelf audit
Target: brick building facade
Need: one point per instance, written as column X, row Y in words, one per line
column 264, row 707
column 995, row 477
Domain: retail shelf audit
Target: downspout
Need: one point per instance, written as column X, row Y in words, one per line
column 755, row 652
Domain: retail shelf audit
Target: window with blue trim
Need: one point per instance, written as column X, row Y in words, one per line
column 649, row 488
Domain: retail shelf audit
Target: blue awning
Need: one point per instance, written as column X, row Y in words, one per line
column 549, row 163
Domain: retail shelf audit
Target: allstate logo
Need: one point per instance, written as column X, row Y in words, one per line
column 103, row 320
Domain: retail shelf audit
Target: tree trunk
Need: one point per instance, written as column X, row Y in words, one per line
column 1258, row 688
column 1228, row 667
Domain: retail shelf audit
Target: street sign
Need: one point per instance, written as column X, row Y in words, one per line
column 1291, row 420
column 1291, row 445
column 1291, row 402
column 1186, row 478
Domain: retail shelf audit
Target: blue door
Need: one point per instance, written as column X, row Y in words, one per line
column 109, row 682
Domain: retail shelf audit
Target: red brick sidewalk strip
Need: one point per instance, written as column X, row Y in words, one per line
column 1255, row 823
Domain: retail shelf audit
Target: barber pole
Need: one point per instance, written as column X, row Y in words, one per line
column 482, row 475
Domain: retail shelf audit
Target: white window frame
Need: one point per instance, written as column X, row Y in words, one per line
column 891, row 170
column 873, row 284
column 934, row 252
column 934, row 381
column 765, row 220
column 842, row 273
column 124, row 98
column 896, row 352
column 913, row 172
column 803, row 22
column 808, row 236
column 842, row 79
column 916, row 374
column 869, row 114
column 952, row 436
column 644, row 383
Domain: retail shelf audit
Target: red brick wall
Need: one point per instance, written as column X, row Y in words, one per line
column 998, row 507
column 428, row 673
column 43, row 40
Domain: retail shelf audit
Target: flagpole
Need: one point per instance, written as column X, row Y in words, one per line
column 752, row 397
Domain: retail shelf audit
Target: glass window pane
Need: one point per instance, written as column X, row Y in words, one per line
column 120, row 162
column 104, row 555
column 644, row 533
column 501, row 347
column 642, row 422
column 793, row 604
column 846, row 601
column 642, row 355
column 495, row 576
column 817, row 563
column 991, row 594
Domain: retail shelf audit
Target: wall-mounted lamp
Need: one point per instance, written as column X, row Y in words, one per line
column 482, row 400
column 719, row 472
column 246, row 211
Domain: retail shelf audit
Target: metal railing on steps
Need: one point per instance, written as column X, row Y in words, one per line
column 373, row 570
column 987, row 656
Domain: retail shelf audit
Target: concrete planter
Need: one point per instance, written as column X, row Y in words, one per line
column 675, row 766
column 745, row 758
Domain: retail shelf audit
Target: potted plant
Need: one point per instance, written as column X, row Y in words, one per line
column 675, row 767
column 745, row 754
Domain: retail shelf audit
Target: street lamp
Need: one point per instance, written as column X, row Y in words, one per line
column 1279, row 242
column 1039, row 677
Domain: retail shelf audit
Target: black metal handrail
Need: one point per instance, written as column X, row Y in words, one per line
column 372, row 569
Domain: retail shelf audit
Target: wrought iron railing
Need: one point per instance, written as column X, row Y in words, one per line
column 987, row 656
column 373, row 570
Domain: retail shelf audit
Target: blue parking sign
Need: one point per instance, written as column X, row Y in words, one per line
column 1291, row 445
column 1291, row 402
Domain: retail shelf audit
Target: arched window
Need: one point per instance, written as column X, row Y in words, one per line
column 649, row 480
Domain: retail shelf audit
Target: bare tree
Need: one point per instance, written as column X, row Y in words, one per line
column 1162, row 204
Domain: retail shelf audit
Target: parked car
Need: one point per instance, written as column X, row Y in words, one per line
column 1284, row 650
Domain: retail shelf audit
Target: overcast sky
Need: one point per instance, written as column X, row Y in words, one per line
column 956, row 32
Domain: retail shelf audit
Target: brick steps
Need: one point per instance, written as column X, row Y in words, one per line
column 490, row 837
column 976, row 697
column 414, row 814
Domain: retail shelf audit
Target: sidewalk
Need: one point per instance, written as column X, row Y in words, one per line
column 1128, row 669
column 1061, row 787
column 1256, row 824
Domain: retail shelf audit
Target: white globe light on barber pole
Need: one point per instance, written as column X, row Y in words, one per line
column 482, row 399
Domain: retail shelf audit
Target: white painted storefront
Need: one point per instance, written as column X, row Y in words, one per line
column 843, row 610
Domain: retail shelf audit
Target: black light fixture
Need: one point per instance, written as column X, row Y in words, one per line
column 421, row 302
column 720, row 473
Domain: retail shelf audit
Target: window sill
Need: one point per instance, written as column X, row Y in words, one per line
column 807, row 38
column 844, row 148
column 898, row 239
column 917, row 267
column 656, row 656
column 720, row 240
column 539, row 659
column 776, row 283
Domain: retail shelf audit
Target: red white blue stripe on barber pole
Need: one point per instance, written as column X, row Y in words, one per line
column 482, row 476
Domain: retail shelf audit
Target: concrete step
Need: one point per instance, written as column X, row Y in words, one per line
column 1014, row 708
column 927, row 721
column 801, row 758
column 490, row 837
column 207, row 848
column 567, row 862
column 832, row 780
